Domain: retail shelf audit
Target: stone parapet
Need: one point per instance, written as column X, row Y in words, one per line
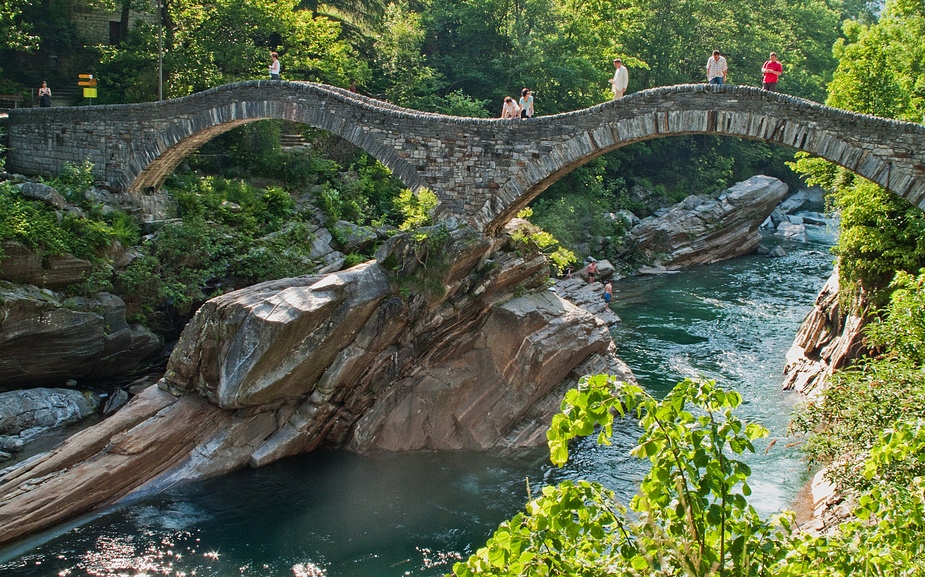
column 483, row 170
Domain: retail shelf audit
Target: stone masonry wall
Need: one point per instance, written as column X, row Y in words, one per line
column 483, row 170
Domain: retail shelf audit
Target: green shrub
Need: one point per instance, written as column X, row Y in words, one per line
column 880, row 234
column 864, row 400
column 354, row 259
column 74, row 181
column 532, row 238
column 417, row 208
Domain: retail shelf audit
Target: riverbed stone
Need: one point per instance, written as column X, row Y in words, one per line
column 45, row 338
column 702, row 230
column 30, row 412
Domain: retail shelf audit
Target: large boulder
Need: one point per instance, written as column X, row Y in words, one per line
column 46, row 339
column 475, row 396
column 702, row 230
column 273, row 341
column 450, row 342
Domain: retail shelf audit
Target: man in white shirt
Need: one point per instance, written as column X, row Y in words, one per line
column 620, row 80
column 716, row 69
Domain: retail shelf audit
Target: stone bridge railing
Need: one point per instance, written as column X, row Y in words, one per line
column 483, row 170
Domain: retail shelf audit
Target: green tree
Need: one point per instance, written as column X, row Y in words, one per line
column 226, row 41
column 690, row 516
column 14, row 32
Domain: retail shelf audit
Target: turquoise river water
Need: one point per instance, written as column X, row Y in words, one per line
column 336, row 514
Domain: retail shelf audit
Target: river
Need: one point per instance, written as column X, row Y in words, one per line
column 336, row 514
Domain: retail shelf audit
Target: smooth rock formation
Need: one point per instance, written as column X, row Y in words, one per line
column 701, row 230
column 452, row 342
column 46, row 340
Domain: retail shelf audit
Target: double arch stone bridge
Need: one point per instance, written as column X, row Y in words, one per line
column 483, row 170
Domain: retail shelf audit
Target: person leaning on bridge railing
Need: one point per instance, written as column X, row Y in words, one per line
column 510, row 108
column 526, row 103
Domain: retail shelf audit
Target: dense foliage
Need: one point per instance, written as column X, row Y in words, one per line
column 691, row 515
column 463, row 57
column 880, row 72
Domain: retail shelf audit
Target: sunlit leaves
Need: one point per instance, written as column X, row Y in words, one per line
column 690, row 516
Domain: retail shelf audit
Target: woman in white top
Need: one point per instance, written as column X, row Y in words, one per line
column 510, row 108
column 526, row 103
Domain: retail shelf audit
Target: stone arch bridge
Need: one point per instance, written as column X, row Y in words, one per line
column 483, row 170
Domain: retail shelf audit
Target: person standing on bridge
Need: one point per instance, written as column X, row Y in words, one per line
column 44, row 95
column 620, row 80
column 716, row 69
column 510, row 108
column 772, row 69
column 274, row 66
column 526, row 103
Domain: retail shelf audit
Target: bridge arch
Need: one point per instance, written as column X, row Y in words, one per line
column 483, row 170
column 884, row 151
column 250, row 102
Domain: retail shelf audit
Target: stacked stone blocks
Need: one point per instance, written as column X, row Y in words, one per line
column 483, row 170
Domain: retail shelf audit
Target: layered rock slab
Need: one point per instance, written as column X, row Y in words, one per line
column 46, row 338
column 352, row 358
column 701, row 230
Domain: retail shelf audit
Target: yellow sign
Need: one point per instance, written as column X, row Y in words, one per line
column 89, row 92
column 84, row 76
column 86, row 82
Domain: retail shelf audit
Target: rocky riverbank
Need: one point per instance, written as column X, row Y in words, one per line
column 447, row 341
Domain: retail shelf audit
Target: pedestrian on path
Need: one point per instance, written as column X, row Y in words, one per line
column 716, row 69
column 620, row 80
column 44, row 95
column 274, row 66
column 772, row 69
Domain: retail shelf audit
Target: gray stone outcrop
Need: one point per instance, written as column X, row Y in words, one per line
column 449, row 343
column 702, row 230
column 44, row 193
column 46, row 339
column 23, row 265
column 828, row 339
column 27, row 413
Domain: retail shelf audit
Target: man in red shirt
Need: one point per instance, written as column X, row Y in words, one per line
column 772, row 70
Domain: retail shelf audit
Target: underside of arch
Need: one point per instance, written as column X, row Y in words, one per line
column 155, row 164
column 520, row 191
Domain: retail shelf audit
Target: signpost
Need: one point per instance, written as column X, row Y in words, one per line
column 89, row 84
